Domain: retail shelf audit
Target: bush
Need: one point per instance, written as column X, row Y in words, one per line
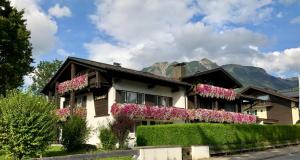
column 218, row 135
column 107, row 138
column 121, row 127
column 27, row 124
column 74, row 133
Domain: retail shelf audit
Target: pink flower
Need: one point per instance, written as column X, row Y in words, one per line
column 73, row 84
column 206, row 90
column 139, row 111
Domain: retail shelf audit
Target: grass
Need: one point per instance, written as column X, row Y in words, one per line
column 59, row 151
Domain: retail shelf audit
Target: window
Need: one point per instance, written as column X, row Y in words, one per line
column 80, row 101
column 264, row 97
column 150, row 99
column 129, row 97
column 165, row 101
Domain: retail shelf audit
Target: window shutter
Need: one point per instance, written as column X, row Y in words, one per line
column 170, row 101
column 101, row 105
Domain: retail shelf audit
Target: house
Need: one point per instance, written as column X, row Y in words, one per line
column 271, row 107
column 95, row 86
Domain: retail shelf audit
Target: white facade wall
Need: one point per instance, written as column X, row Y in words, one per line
column 95, row 123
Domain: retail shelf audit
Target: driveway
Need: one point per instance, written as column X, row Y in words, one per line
column 285, row 153
column 289, row 156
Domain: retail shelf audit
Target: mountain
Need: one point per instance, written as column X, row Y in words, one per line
column 247, row 75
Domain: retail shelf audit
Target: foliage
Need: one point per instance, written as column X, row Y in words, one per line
column 27, row 124
column 228, row 135
column 76, row 83
column 74, row 133
column 15, row 48
column 107, row 138
column 174, row 113
column 44, row 71
column 211, row 91
column 121, row 127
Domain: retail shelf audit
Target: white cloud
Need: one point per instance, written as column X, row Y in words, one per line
column 60, row 11
column 64, row 53
column 235, row 11
column 42, row 27
column 280, row 61
column 295, row 20
column 152, row 31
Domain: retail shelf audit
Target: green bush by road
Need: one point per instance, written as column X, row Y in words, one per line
column 229, row 136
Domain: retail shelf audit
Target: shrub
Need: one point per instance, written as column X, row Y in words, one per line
column 226, row 135
column 27, row 124
column 107, row 138
column 121, row 127
column 74, row 133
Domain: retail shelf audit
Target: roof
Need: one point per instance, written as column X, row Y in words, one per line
column 268, row 92
column 294, row 94
column 115, row 69
column 207, row 73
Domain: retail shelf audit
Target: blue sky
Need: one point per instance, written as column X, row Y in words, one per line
column 262, row 33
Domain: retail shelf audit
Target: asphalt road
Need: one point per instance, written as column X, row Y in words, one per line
column 295, row 156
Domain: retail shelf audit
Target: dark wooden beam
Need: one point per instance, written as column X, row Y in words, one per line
column 56, row 96
column 72, row 94
column 175, row 89
column 195, row 101
column 50, row 96
column 150, row 86
column 98, row 79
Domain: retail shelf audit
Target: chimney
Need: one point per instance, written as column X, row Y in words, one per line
column 178, row 71
column 117, row 64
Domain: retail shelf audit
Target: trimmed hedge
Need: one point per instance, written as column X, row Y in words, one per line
column 220, row 136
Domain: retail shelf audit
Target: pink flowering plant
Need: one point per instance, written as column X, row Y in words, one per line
column 138, row 111
column 211, row 91
column 73, row 84
column 64, row 113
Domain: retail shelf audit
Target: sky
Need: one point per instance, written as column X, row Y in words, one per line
column 137, row 33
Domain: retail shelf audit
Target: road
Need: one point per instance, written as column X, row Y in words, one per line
column 295, row 156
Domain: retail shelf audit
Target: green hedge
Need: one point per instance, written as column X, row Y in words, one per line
column 221, row 136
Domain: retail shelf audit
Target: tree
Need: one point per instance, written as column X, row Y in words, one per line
column 27, row 124
column 15, row 48
column 121, row 127
column 44, row 71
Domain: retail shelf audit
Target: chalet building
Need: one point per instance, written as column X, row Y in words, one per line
column 271, row 107
column 96, row 87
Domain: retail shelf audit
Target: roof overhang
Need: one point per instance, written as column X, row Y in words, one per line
column 219, row 77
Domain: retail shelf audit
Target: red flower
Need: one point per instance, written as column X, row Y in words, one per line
column 206, row 90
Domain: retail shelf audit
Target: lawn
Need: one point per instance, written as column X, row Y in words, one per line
column 59, row 151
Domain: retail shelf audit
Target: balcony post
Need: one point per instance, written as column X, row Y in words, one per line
column 56, row 96
column 72, row 94
column 195, row 101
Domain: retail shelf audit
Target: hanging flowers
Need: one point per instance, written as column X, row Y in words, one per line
column 73, row 84
column 139, row 111
column 64, row 113
column 206, row 90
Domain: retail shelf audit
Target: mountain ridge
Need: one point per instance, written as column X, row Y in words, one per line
column 247, row 75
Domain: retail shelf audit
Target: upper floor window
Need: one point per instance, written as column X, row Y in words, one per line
column 129, row 97
column 141, row 98
column 264, row 97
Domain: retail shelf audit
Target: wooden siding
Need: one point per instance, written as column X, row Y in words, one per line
column 280, row 110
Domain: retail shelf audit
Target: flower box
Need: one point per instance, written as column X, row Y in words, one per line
column 138, row 111
column 64, row 113
column 73, row 84
column 211, row 91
